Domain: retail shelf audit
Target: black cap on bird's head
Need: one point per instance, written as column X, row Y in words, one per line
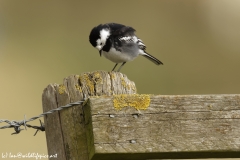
column 94, row 35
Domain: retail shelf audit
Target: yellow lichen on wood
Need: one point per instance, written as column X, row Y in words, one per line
column 78, row 87
column 85, row 78
column 137, row 101
column 97, row 77
column 123, row 82
column 133, row 87
column 112, row 75
column 127, row 85
column 61, row 89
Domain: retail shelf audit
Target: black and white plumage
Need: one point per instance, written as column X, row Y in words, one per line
column 118, row 43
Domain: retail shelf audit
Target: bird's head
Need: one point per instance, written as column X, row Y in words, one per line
column 98, row 36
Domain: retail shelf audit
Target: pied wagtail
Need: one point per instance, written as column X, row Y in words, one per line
column 118, row 43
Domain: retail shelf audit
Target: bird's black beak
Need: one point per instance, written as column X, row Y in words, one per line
column 100, row 52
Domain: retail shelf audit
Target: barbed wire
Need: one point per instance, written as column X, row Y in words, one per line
column 17, row 124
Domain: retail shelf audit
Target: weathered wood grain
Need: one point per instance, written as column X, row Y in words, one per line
column 49, row 102
column 187, row 126
column 66, row 130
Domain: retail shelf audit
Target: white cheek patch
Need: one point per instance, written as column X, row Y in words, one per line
column 104, row 34
column 98, row 41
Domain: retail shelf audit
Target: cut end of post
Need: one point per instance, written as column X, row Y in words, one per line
column 99, row 83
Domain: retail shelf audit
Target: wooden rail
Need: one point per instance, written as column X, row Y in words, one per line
column 115, row 123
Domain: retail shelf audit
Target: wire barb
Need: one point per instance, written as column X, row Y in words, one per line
column 38, row 128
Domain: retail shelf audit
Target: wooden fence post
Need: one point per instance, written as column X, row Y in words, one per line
column 126, row 126
column 66, row 130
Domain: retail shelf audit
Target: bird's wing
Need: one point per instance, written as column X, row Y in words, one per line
column 125, row 34
column 133, row 39
column 118, row 30
column 141, row 45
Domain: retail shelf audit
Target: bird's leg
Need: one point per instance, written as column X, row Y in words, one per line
column 121, row 66
column 115, row 66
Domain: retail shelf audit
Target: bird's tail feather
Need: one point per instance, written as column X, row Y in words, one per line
column 153, row 59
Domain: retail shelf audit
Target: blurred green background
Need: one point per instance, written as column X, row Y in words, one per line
column 42, row 42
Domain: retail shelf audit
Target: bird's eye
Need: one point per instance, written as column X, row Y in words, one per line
column 100, row 43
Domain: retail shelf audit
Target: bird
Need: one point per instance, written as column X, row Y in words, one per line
column 119, row 44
